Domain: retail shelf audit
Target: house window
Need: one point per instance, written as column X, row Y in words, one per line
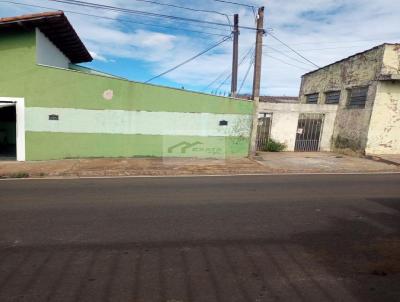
column 312, row 98
column 357, row 97
column 332, row 97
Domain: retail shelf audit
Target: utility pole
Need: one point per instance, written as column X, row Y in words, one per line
column 257, row 79
column 235, row 60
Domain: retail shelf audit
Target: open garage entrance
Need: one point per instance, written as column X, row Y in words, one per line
column 8, row 131
column 12, row 129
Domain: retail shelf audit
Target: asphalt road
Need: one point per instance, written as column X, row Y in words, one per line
column 248, row 238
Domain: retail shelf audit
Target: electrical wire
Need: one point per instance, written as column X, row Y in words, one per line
column 227, row 71
column 190, row 59
column 223, row 82
column 292, row 49
column 239, row 64
column 327, row 48
column 235, row 3
column 253, row 8
column 217, row 78
column 345, row 42
column 143, row 13
column 120, row 20
column 187, row 8
column 287, row 56
column 284, row 62
column 247, row 74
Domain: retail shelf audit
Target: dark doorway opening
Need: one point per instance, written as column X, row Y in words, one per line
column 8, row 132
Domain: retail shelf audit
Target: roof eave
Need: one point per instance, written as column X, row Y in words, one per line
column 76, row 51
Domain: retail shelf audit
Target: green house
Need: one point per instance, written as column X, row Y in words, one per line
column 52, row 108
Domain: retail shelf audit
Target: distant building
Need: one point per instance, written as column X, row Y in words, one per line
column 273, row 99
column 352, row 105
column 366, row 89
column 279, row 99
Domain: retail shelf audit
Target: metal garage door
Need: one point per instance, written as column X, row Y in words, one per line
column 263, row 130
column 309, row 131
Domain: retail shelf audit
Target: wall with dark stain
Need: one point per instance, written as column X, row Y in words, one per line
column 352, row 124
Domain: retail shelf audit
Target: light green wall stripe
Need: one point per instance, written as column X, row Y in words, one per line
column 136, row 122
column 46, row 145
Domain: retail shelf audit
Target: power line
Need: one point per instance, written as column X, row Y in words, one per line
column 284, row 62
column 239, row 64
column 190, row 59
column 228, row 70
column 344, row 42
column 253, row 8
column 287, row 56
column 327, row 48
column 296, row 52
column 247, row 74
column 187, row 8
column 235, row 3
column 223, row 82
column 120, row 20
column 143, row 13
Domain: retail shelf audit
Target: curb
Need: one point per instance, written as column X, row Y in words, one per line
column 382, row 160
column 203, row 175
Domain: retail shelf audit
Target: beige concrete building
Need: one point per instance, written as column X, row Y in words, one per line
column 365, row 88
column 301, row 127
column 352, row 105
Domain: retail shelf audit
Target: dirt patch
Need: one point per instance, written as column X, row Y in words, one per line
column 129, row 167
column 281, row 162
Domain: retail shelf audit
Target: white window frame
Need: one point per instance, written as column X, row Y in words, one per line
column 20, row 124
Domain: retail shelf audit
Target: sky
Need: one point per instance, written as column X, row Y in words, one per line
column 139, row 47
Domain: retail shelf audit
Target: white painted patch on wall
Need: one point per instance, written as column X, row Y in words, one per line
column 108, row 95
column 384, row 127
column 48, row 54
column 136, row 122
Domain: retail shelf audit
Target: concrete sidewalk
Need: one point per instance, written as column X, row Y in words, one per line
column 266, row 163
column 109, row 167
column 314, row 162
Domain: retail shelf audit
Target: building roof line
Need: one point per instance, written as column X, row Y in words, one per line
column 57, row 28
column 350, row 57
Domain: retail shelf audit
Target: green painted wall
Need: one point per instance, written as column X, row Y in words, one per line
column 58, row 88
column 72, row 145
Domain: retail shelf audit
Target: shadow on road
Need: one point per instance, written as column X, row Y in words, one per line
column 252, row 270
column 353, row 258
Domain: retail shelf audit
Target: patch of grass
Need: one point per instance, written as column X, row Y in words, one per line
column 274, row 146
column 19, row 175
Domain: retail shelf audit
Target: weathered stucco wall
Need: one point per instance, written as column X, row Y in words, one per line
column 391, row 60
column 285, row 120
column 384, row 129
column 352, row 124
column 97, row 99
